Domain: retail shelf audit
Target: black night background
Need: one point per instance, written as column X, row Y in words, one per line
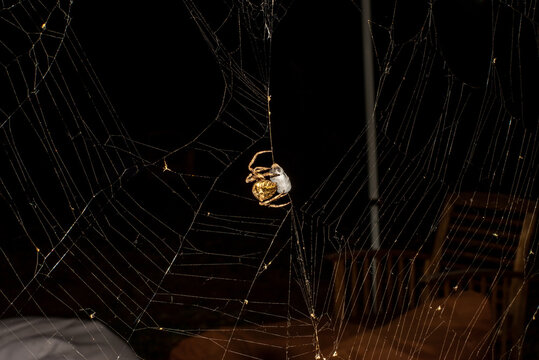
column 166, row 86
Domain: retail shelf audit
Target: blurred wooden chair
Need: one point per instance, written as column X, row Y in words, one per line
column 481, row 244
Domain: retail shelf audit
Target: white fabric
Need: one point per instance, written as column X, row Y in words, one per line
column 56, row 338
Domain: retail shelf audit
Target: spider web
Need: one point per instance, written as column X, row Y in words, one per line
column 123, row 193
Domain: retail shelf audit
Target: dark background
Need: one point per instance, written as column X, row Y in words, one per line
column 165, row 86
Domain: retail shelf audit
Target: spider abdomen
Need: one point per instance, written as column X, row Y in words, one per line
column 264, row 189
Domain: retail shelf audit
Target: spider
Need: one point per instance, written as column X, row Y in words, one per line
column 266, row 184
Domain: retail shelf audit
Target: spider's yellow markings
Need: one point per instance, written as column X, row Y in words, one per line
column 264, row 189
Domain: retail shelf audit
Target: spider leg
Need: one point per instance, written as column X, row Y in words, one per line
column 264, row 175
column 278, row 206
column 257, row 176
column 255, row 156
column 253, row 177
column 268, row 202
column 260, row 169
